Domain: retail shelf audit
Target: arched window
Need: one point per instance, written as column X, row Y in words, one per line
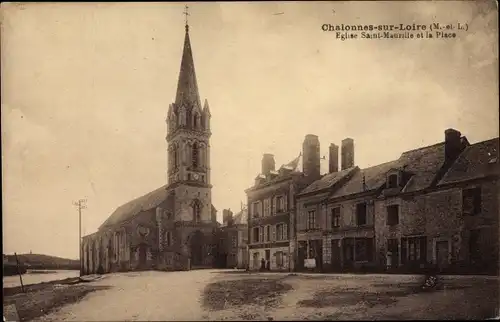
column 197, row 211
column 174, row 156
column 189, row 118
column 168, row 238
column 194, row 156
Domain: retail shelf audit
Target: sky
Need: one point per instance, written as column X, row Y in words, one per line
column 86, row 88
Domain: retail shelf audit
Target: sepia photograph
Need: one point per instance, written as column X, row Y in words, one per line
column 260, row 161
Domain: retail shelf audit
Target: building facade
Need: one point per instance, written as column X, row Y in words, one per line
column 233, row 252
column 271, row 202
column 173, row 227
column 436, row 205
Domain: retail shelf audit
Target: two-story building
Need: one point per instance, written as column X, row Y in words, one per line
column 437, row 204
column 271, row 202
column 312, row 210
column 466, row 238
column 407, row 208
column 233, row 235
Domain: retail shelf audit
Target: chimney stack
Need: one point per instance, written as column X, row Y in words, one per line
column 347, row 154
column 333, row 159
column 227, row 217
column 311, row 156
column 268, row 164
column 453, row 145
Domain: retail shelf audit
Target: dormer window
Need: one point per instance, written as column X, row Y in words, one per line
column 392, row 180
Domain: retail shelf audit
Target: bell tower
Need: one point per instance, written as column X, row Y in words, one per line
column 188, row 136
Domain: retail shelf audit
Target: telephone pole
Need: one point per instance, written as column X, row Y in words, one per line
column 80, row 204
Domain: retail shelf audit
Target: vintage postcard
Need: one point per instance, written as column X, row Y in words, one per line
column 332, row 160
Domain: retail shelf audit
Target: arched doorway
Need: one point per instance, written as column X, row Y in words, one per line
column 196, row 243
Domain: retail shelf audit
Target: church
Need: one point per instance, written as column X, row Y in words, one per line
column 173, row 227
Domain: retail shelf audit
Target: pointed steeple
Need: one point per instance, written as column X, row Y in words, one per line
column 187, row 86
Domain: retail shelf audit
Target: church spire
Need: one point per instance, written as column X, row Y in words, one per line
column 187, row 86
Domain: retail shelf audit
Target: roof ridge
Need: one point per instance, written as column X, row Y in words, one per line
column 424, row 147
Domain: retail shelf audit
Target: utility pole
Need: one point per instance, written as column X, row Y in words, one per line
column 80, row 204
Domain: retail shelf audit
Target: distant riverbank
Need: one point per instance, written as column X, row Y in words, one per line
column 39, row 276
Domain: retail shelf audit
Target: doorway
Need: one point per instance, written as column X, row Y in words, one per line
column 442, row 253
column 196, row 243
column 336, row 264
column 143, row 255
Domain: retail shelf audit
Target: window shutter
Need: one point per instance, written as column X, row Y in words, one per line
column 274, row 232
column 261, row 234
column 274, row 205
column 251, row 235
column 285, row 231
column 285, row 203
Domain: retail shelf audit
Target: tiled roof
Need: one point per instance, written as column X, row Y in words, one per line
column 424, row 164
column 131, row 208
column 327, row 181
column 374, row 178
column 144, row 203
column 476, row 161
column 148, row 201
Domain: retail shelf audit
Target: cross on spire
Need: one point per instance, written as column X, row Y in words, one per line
column 186, row 14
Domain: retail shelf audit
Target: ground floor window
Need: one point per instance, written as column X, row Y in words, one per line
column 413, row 250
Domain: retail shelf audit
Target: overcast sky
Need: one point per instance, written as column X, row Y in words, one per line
column 86, row 88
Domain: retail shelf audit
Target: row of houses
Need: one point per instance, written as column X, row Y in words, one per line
column 433, row 205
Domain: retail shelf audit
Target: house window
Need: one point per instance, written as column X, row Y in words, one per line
column 194, row 160
column 281, row 232
column 268, row 233
column 336, row 217
column 279, row 204
column 255, row 234
column 256, row 209
column 413, row 249
column 392, row 181
column 361, row 214
column 189, row 176
column 311, row 220
column 471, row 201
column 393, row 215
column 267, row 207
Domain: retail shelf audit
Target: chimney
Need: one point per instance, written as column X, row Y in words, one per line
column 333, row 159
column 453, row 145
column 227, row 217
column 311, row 156
column 268, row 163
column 347, row 154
